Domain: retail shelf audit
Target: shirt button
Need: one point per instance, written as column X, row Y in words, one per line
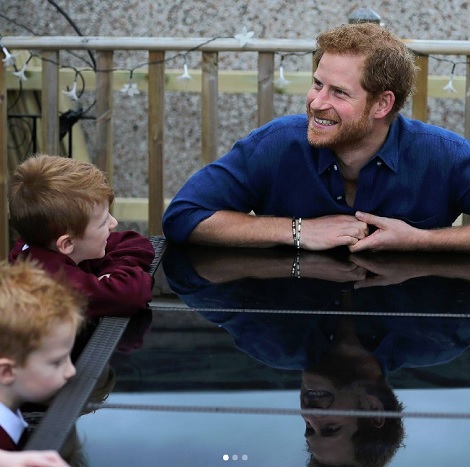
column 379, row 163
column 335, row 167
column 339, row 198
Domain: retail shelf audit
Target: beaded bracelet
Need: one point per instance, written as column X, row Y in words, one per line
column 296, row 266
column 296, row 229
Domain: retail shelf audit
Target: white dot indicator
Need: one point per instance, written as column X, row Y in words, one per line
column 235, row 457
column 244, row 457
column 225, row 457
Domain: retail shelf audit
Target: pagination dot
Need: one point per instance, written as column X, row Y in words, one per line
column 226, row 457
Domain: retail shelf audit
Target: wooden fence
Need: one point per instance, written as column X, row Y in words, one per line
column 209, row 81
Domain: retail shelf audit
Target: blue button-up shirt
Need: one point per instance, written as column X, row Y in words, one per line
column 420, row 175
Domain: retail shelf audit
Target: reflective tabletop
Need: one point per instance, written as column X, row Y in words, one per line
column 269, row 357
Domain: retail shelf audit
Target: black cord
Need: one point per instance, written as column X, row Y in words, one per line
column 74, row 26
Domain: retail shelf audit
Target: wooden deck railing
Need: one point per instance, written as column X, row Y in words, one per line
column 208, row 81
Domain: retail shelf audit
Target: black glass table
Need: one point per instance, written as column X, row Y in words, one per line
column 269, row 357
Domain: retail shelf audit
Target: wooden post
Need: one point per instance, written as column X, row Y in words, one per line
column 420, row 99
column 209, row 107
column 104, row 113
column 156, row 125
column 4, row 237
column 265, row 87
column 467, row 100
column 50, row 102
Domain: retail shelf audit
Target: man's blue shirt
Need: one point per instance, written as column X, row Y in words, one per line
column 420, row 175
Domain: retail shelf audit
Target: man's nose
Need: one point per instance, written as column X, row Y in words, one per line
column 320, row 100
column 312, row 424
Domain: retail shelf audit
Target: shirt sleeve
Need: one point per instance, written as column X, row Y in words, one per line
column 226, row 184
column 250, row 177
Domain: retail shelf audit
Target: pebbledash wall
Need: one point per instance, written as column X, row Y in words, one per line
column 219, row 18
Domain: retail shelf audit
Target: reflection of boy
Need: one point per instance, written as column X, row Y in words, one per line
column 60, row 209
column 39, row 318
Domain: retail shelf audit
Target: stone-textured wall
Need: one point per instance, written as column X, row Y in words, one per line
column 210, row 18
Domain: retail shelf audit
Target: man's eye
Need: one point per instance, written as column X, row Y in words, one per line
column 330, row 431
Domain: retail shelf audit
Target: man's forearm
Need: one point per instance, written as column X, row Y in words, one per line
column 229, row 228
column 447, row 239
column 397, row 235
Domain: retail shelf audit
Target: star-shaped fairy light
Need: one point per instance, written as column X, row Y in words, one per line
column 449, row 87
column 281, row 82
column 185, row 76
column 130, row 89
column 20, row 74
column 72, row 93
column 244, row 37
column 10, row 59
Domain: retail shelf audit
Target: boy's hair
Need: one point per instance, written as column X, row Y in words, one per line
column 388, row 66
column 50, row 196
column 32, row 303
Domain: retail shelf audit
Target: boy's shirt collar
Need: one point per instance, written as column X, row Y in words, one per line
column 12, row 422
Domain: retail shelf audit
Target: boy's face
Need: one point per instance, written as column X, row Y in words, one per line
column 93, row 243
column 48, row 368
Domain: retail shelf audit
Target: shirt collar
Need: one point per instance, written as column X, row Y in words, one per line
column 388, row 153
column 326, row 159
column 12, row 422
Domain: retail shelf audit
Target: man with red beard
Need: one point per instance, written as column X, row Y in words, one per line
column 350, row 379
column 351, row 172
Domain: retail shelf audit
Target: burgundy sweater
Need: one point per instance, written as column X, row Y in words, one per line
column 127, row 260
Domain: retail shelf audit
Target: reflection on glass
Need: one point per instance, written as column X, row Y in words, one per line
column 347, row 322
column 349, row 378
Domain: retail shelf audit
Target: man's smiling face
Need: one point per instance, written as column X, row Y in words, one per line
column 338, row 109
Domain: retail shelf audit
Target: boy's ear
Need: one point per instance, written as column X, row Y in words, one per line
column 65, row 244
column 7, row 374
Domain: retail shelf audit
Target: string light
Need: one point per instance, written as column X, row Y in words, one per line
column 244, row 37
column 20, row 74
column 281, row 82
column 10, row 59
column 72, row 93
column 185, row 76
column 449, row 87
column 130, row 89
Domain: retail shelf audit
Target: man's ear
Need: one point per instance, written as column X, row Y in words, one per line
column 376, row 404
column 384, row 104
column 64, row 244
column 7, row 374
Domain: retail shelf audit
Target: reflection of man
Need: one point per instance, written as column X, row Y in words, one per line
column 350, row 378
column 231, row 278
column 344, row 364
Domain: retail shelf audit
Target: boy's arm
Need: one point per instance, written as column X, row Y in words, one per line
column 126, row 248
column 121, row 276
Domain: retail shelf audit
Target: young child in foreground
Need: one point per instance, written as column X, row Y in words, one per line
column 60, row 210
column 39, row 319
